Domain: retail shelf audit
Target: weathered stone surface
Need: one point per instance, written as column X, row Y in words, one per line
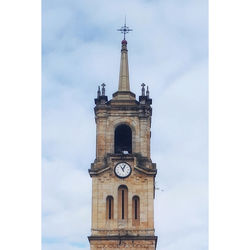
column 123, row 242
column 106, row 183
column 124, row 233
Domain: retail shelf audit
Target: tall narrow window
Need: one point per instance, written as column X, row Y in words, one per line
column 110, row 208
column 122, row 202
column 136, row 216
column 123, row 139
column 136, row 210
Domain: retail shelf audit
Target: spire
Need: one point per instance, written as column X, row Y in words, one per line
column 124, row 92
column 124, row 72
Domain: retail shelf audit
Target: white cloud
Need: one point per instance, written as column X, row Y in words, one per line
column 168, row 51
column 66, row 200
column 62, row 246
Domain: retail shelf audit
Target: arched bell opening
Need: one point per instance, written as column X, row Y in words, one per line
column 123, row 139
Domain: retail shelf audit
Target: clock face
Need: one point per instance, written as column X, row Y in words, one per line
column 123, row 170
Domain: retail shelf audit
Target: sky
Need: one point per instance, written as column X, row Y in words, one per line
column 167, row 50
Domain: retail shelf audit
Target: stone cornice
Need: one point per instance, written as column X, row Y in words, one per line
column 141, row 164
column 146, row 171
column 123, row 238
column 98, row 170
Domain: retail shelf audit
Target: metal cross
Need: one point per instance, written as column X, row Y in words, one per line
column 125, row 29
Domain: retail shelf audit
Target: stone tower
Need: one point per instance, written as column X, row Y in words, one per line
column 123, row 175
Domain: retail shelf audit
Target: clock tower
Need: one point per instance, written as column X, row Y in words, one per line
column 123, row 175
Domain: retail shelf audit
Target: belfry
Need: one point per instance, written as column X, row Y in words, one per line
column 123, row 175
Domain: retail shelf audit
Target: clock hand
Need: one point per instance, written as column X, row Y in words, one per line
column 123, row 167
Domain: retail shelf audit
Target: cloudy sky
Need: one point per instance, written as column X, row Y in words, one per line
column 168, row 50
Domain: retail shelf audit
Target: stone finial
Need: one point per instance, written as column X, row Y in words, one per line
column 98, row 92
column 103, row 89
column 101, row 97
column 145, row 99
column 147, row 92
column 143, row 89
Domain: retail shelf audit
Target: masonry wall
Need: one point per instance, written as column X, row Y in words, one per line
column 107, row 184
column 114, row 244
column 106, row 125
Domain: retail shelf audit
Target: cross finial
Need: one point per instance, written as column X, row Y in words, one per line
column 143, row 89
column 103, row 88
column 125, row 29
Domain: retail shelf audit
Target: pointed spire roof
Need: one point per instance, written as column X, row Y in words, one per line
column 124, row 85
column 124, row 71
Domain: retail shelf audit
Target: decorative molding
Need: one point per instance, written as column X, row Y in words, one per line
column 120, row 238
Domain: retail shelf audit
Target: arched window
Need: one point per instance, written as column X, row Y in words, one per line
column 123, row 139
column 136, row 210
column 122, row 202
column 110, row 208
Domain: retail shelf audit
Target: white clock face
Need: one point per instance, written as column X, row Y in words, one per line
column 122, row 170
